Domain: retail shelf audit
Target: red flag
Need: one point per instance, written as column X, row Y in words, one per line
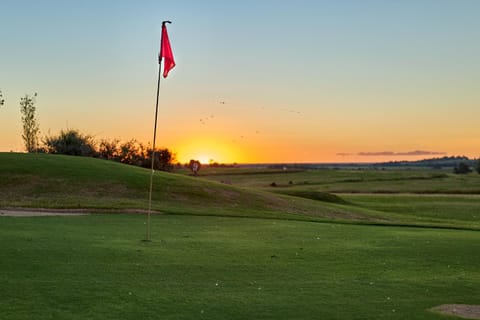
column 166, row 53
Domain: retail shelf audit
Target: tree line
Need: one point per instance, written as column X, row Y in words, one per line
column 73, row 142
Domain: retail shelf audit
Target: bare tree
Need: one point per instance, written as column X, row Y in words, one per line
column 30, row 124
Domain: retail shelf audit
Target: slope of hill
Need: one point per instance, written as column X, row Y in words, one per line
column 66, row 182
column 56, row 181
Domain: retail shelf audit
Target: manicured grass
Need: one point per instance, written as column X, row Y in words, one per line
column 236, row 251
column 54, row 181
column 96, row 267
column 464, row 208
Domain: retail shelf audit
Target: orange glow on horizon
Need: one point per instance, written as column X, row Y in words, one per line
column 208, row 150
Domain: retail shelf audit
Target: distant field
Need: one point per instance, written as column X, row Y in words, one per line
column 418, row 196
column 351, row 181
column 96, row 267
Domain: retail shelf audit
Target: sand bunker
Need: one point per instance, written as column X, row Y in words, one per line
column 466, row 311
column 40, row 212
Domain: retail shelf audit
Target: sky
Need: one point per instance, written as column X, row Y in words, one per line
column 255, row 81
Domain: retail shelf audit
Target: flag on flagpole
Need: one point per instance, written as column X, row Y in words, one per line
column 166, row 53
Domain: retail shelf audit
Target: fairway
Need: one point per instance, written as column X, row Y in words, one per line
column 322, row 244
column 97, row 267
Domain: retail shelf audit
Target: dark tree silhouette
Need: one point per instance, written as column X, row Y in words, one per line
column 70, row 142
column 195, row 166
column 462, row 168
column 108, row 149
column 164, row 159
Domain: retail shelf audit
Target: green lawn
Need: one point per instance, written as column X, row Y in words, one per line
column 323, row 244
column 96, row 267
column 465, row 208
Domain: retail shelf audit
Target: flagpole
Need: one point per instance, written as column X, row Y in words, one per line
column 153, row 152
column 154, row 138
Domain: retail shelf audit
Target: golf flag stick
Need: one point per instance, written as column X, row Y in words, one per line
column 165, row 54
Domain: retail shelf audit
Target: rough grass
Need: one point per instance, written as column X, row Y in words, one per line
column 55, row 181
column 96, row 267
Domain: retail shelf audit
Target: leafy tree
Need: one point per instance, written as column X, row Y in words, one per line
column 30, row 124
column 109, row 149
column 135, row 153
column 2, row 101
column 478, row 166
column 462, row 168
column 195, row 166
column 164, row 159
column 71, row 142
column 132, row 152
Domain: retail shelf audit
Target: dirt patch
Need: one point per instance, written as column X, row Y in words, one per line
column 466, row 311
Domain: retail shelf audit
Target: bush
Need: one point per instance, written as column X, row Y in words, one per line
column 70, row 142
column 133, row 152
column 164, row 159
column 462, row 168
column 108, row 150
column 195, row 166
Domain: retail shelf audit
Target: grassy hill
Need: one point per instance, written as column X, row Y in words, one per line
column 56, row 181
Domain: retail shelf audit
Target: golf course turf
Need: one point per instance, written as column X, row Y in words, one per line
column 209, row 261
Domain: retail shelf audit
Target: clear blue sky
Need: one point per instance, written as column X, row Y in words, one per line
column 302, row 80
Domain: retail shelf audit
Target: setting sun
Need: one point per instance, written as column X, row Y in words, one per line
column 208, row 150
column 358, row 94
column 205, row 159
